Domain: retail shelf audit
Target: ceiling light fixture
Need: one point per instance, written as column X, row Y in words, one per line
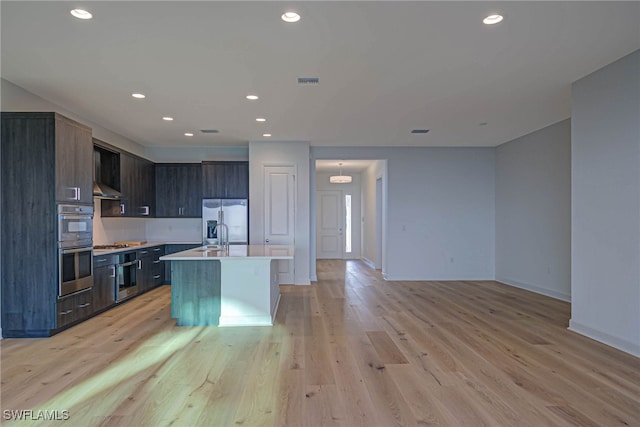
column 290, row 17
column 188, row 134
column 81, row 14
column 138, row 95
column 266, row 134
column 261, row 119
column 493, row 19
column 252, row 97
column 168, row 119
column 340, row 179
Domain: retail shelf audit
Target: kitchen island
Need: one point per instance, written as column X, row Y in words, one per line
column 238, row 286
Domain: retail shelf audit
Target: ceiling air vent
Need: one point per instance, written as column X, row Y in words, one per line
column 209, row 131
column 420, row 131
column 308, row 80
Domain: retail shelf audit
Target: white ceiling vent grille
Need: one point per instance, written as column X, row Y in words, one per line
column 420, row 131
column 308, row 80
column 209, row 131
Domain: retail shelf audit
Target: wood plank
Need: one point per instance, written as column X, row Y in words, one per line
column 349, row 350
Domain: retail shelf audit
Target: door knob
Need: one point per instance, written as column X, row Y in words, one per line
column 267, row 240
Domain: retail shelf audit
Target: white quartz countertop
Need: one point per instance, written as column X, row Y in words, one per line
column 204, row 253
column 136, row 247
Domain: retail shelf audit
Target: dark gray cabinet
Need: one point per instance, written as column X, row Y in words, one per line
column 74, row 161
column 104, row 281
column 32, row 181
column 137, row 185
column 172, row 249
column 225, row 180
column 150, row 269
column 178, row 190
column 74, row 308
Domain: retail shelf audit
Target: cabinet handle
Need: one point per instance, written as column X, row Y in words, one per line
column 143, row 252
column 102, row 260
column 85, row 305
column 64, row 313
column 157, row 276
column 145, row 210
column 113, row 271
column 156, row 249
column 121, row 208
column 156, row 262
column 139, row 264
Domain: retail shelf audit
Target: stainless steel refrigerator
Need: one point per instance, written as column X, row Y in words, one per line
column 232, row 212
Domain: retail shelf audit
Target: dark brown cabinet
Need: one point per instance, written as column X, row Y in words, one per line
column 137, row 185
column 74, row 308
column 74, row 160
column 178, row 190
column 34, row 177
column 150, row 269
column 104, row 281
column 225, row 180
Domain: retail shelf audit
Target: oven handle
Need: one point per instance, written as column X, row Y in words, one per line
column 127, row 264
column 76, row 250
column 87, row 216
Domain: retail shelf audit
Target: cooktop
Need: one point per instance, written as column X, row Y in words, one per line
column 118, row 246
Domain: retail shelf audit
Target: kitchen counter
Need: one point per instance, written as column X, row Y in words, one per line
column 235, row 288
column 136, row 247
column 204, row 253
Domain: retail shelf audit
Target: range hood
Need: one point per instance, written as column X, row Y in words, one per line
column 103, row 191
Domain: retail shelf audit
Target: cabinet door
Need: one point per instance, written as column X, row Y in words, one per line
column 74, row 162
column 144, row 188
column 145, row 269
column 237, row 180
column 225, row 180
column 178, row 190
column 104, row 280
column 74, row 308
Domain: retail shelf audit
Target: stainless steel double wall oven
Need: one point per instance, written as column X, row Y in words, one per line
column 75, row 248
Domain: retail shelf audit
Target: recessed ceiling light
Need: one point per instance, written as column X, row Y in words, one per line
column 168, row 119
column 252, row 97
column 188, row 134
column 266, row 134
column 290, row 17
column 81, row 14
column 493, row 19
column 138, row 95
column 261, row 119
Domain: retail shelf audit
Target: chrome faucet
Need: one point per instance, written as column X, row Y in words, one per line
column 223, row 241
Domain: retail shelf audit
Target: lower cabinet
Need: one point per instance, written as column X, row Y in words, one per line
column 104, row 281
column 150, row 268
column 172, row 249
column 74, row 308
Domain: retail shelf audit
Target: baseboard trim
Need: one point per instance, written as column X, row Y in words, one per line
column 313, row 278
column 604, row 338
column 228, row 321
column 369, row 262
column 393, row 278
column 537, row 289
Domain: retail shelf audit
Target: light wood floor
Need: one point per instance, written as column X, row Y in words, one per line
column 349, row 350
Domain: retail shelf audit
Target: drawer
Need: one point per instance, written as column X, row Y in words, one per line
column 102, row 260
column 74, row 308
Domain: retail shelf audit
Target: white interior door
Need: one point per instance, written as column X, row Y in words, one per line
column 279, row 214
column 329, row 224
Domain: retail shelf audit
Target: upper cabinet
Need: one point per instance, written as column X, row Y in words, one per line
column 225, row 180
column 74, row 161
column 178, row 190
column 137, row 185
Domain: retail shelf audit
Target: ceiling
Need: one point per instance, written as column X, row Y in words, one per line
column 385, row 68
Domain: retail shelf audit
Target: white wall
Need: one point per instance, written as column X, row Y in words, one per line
column 605, row 239
column 15, row 98
column 353, row 188
column 533, row 211
column 440, row 210
column 370, row 233
column 274, row 153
